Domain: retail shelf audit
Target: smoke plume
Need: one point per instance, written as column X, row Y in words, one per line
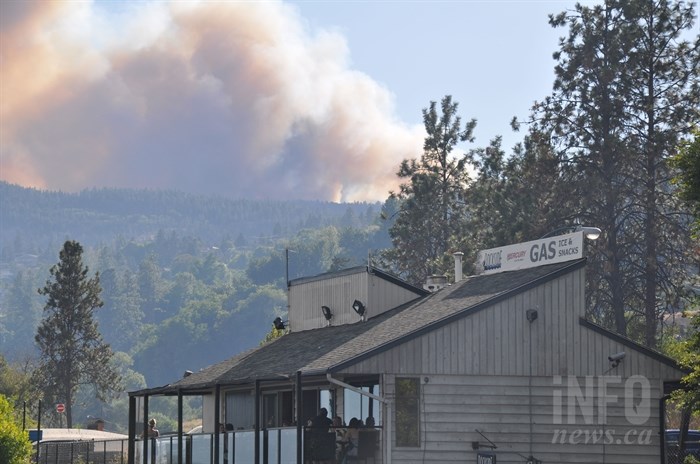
column 232, row 98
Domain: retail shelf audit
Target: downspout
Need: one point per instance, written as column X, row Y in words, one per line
column 374, row 397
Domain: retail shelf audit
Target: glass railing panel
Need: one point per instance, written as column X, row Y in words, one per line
column 273, row 448
column 167, row 449
column 288, row 445
column 226, row 448
column 244, row 447
column 201, row 448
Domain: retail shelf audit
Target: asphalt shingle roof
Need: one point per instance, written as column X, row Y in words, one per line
column 321, row 350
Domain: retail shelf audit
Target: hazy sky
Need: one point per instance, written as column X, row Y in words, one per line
column 315, row 100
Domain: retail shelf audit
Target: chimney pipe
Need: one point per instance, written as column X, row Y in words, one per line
column 458, row 265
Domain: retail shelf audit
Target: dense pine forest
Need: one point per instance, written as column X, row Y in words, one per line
column 198, row 278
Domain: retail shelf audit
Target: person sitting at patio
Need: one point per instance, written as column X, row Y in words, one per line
column 353, row 437
column 152, row 430
column 321, row 422
column 320, row 428
column 341, row 440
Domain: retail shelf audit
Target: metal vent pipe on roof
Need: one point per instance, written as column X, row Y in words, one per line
column 458, row 265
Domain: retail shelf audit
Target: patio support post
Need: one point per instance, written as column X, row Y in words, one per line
column 179, row 426
column 145, row 429
column 217, row 420
column 38, row 431
column 132, row 431
column 257, row 421
column 662, row 426
column 300, row 428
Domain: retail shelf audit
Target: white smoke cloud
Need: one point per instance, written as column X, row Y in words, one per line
column 235, row 98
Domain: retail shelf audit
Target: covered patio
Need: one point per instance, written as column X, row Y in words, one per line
column 258, row 406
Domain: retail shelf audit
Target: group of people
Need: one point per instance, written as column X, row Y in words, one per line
column 346, row 437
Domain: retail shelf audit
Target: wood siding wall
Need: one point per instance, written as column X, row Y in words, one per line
column 519, row 416
column 479, row 368
column 338, row 293
column 500, row 341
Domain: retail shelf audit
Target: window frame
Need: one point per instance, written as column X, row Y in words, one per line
column 409, row 404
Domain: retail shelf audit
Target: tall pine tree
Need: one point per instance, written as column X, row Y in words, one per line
column 72, row 350
column 432, row 197
column 626, row 90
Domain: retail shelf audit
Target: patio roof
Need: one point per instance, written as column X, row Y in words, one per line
column 329, row 349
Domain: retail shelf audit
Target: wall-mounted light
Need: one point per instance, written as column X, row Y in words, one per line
column 531, row 315
column 616, row 359
column 279, row 323
column 326, row 312
column 359, row 308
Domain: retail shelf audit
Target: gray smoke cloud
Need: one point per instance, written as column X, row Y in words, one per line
column 233, row 98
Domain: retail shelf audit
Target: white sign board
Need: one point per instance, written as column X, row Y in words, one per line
column 530, row 254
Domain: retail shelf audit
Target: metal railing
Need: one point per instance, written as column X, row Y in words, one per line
column 83, row 452
column 277, row 446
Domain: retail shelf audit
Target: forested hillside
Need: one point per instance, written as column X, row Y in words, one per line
column 33, row 218
column 198, row 278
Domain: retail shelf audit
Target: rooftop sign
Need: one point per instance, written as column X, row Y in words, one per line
column 549, row 250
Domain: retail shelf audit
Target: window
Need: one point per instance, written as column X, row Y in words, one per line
column 270, row 417
column 408, row 411
column 314, row 400
column 240, row 410
column 277, row 409
column 360, row 406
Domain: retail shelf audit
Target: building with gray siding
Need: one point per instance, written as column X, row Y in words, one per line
column 500, row 367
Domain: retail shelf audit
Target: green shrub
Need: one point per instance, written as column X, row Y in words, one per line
column 15, row 447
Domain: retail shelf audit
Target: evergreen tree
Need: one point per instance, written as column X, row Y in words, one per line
column 687, row 163
column 23, row 316
column 663, row 103
column 519, row 198
column 432, row 197
column 72, row 350
column 151, row 289
column 626, row 89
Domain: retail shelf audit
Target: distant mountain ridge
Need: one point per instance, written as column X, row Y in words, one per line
column 96, row 215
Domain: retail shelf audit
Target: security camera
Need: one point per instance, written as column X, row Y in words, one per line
column 617, row 357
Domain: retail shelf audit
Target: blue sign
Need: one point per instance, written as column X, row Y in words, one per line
column 36, row 435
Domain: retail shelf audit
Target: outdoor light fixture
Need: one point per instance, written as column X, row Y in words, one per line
column 616, row 359
column 531, row 315
column 359, row 308
column 279, row 323
column 327, row 312
column 591, row 233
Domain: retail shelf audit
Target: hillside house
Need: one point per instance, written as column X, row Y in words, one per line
column 497, row 367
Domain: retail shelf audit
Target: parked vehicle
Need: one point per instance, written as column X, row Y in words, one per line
column 692, row 442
